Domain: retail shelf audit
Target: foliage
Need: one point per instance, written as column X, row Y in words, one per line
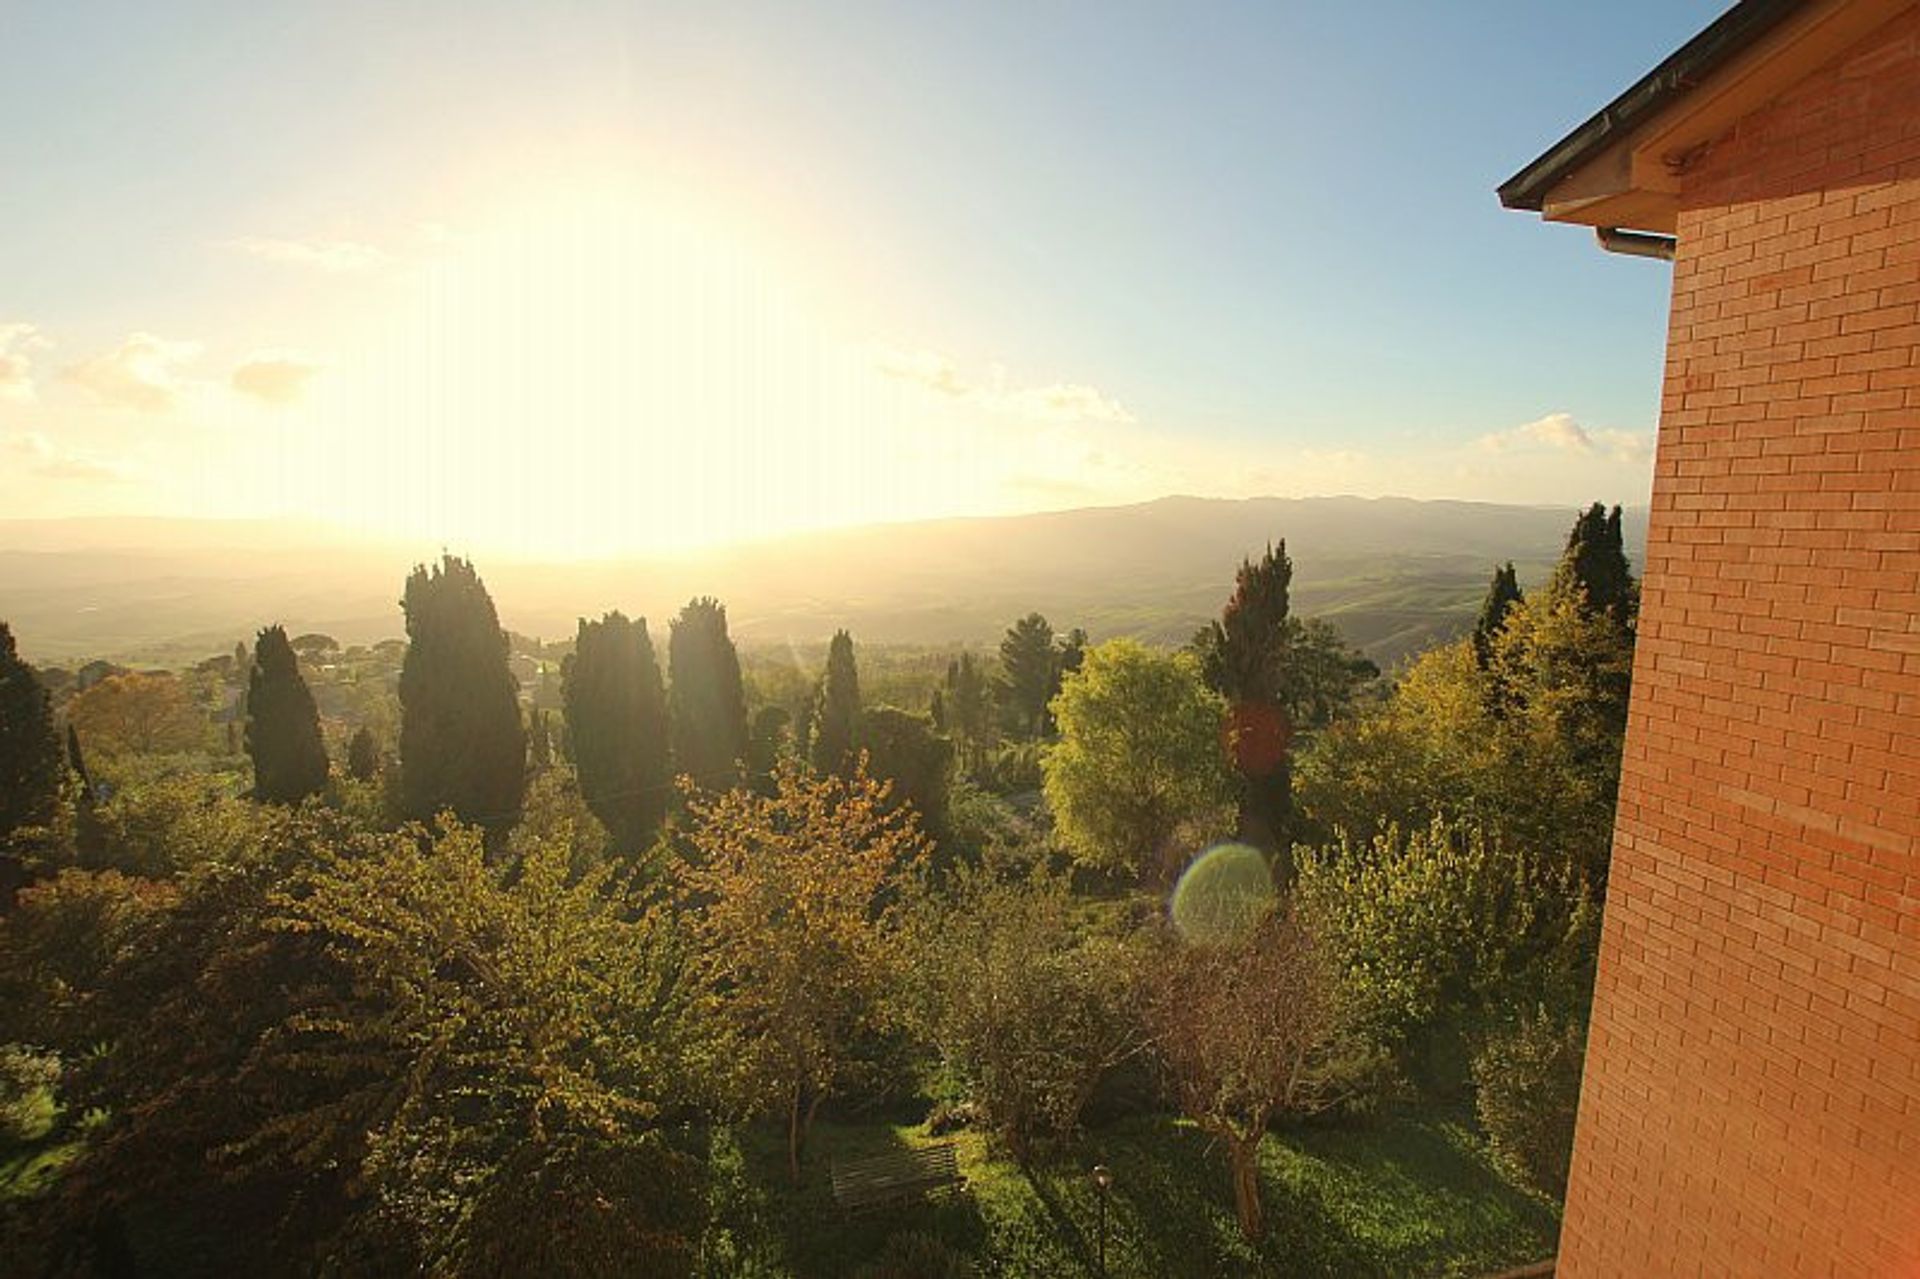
column 1247, row 1030
column 58, row 947
column 1444, row 936
column 143, row 713
column 283, row 726
column 463, row 747
column 903, row 750
column 1244, row 659
column 966, row 712
column 707, row 700
column 363, row 755
column 1028, row 1005
column 1593, row 569
column 1138, row 755
column 836, row 719
column 1030, row 667
column 616, row 713
column 794, row 899
column 1527, row 1091
column 1502, row 594
column 27, row 1079
column 30, row 765
column 910, row 1255
column 163, row 826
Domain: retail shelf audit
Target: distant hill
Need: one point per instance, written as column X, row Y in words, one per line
column 1396, row 575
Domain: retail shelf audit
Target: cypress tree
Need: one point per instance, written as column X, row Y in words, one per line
column 1031, row 669
column 1595, row 565
column 1502, row 594
column 836, row 725
column 462, row 745
column 616, row 716
column 363, row 755
column 707, row 701
column 29, row 750
column 283, row 726
column 1244, row 657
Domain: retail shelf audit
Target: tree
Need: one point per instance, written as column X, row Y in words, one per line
column 1244, row 658
column 463, row 747
column 836, row 724
column 1594, row 567
column 29, row 751
column 1247, row 1030
column 1030, row 667
column 707, row 700
column 903, row 749
column 1502, row 594
column 283, row 726
column 138, row 713
column 616, row 714
column 966, row 709
column 1138, row 756
column 363, row 755
column 792, row 901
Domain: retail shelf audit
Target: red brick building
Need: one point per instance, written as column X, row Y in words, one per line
column 1751, row 1104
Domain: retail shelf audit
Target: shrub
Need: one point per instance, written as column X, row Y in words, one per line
column 910, row 1255
column 1528, row 1081
column 27, row 1077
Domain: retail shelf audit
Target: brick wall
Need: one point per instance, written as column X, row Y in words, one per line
column 1752, row 1095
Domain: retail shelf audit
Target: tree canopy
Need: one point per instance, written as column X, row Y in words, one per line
column 30, row 764
column 283, row 726
column 707, row 701
column 616, row 716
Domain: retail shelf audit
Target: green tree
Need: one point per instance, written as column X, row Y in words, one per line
column 283, row 726
column 1244, row 657
column 1594, row 566
column 616, row 714
column 1030, row 667
column 707, row 701
column 793, row 903
column 29, row 751
column 463, row 747
column 967, row 711
column 137, row 713
column 903, row 750
column 363, row 755
column 1138, row 756
column 836, row 722
column 1502, row 594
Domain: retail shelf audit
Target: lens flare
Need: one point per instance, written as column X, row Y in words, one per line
column 1222, row 896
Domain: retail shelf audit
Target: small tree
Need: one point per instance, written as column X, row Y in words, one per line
column 904, row 751
column 363, row 755
column 792, row 902
column 1138, row 756
column 283, row 726
column 29, row 750
column 1245, row 1031
column 616, row 710
column 1030, row 667
column 1244, row 657
column 707, row 700
column 138, row 713
column 836, row 721
column 1502, row 594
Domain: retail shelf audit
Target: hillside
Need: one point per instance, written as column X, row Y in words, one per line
column 1395, row 574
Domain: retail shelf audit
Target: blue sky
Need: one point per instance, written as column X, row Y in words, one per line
column 1092, row 252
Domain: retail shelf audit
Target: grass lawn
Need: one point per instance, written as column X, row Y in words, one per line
column 1404, row 1196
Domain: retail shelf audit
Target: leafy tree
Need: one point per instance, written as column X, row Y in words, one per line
column 1030, row 667
column 463, row 747
column 363, row 755
column 1026, row 1004
column 707, row 700
column 1244, row 658
column 312, row 644
column 967, row 711
column 1502, row 594
column 616, row 711
column 283, row 726
column 29, row 750
column 1138, row 756
column 903, row 750
column 1248, row 1030
column 1324, row 674
column 1073, row 651
column 1527, row 1094
column 836, row 722
column 138, row 713
column 793, row 900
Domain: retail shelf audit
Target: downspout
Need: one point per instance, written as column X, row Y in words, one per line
column 1637, row 244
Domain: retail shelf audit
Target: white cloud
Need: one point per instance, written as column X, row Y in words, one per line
column 1561, row 432
column 142, row 373
column 335, row 257
column 1051, row 402
column 46, row 459
column 17, row 344
column 274, row 378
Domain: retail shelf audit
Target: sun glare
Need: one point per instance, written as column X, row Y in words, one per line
column 601, row 374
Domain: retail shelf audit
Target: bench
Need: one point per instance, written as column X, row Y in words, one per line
column 873, row 1180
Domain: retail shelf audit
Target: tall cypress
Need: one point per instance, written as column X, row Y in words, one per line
column 836, row 724
column 29, row 751
column 1031, row 669
column 1244, row 656
column 462, row 745
column 1502, row 594
column 616, row 715
column 283, row 725
column 1595, row 564
column 707, row 701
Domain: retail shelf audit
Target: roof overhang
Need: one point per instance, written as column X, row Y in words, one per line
column 1623, row 167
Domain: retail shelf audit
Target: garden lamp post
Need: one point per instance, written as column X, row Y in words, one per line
column 1103, row 1181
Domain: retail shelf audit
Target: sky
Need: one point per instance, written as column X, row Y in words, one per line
column 590, row 278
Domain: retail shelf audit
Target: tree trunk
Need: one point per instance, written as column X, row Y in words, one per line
column 795, row 1135
column 1246, row 1186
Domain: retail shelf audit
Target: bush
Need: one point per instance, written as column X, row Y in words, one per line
column 27, row 1078
column 1528, row 1081
column 909, row 1255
